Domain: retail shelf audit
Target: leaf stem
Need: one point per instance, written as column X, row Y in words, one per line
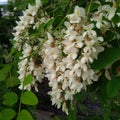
column 88, row 10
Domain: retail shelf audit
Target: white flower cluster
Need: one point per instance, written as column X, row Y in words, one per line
column 66, row 57
column 21, row 29
column 71, row 72
column 32, row 18
column 30, row 64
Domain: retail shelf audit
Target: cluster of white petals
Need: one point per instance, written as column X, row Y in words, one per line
column 65, row 58
column 30, row 64
column 103, row 16
column 68, row 74
column 32, row 18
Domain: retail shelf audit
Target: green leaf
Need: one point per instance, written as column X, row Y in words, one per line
column 10, row 98
column 13, row 81
column 41, row 26
column 50, row 22
column 13, row 50
column 33, row 32
column 24, row 115
column 72, row 113
column 4, row 72
column 116, row 19
column 7, row 114
column 28, row 79
column 29, row 98
column 44, row 1
column 109, row 35
column 106, row 58
column 0, row 116
column 113, row 87
column 101, row 93
column 99, row 87
column 93, row 7
column 116, row 68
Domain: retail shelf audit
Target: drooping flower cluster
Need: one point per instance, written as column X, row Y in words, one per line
column 29, row 63
column 65, row 58
column 21, row 34
column 30, row 66
column 68, row 74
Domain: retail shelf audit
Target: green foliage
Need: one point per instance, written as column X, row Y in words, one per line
column 12, row 81
column 22, row 4
column 93, row 7
column 7, row 98
column 50, row 22
column 28, row 79
column 106, row 58
column 7, row 114
column 29, row 98
column 106, row 91
column 24, row 115
column 113, row 87
column 72, row 114
column 4, row 72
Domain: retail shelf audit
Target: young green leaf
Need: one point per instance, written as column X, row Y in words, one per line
column 10, row 98
column 113, row 87
column 29, row 98
column 44, row 1
column 50, row 22
column 41, row 26
column 109, row 36
column 12, row 82
column 28, row 79
column 7, row 114
column 106, row 58
column 24, row 115
column 4, row 71
column 93, row 7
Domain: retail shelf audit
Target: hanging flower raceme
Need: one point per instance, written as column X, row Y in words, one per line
column 70, row 73
column 31, row 60
column 64, row 57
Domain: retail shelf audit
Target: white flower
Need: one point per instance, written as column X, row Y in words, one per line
column 111, row 11
column 38, row 3
column 79, row 12
column 70, row 34
column 26, row 50
column 64, row 108
column 89, row 31
column 72, row 52
column 109, row 0
column 118, row 14
column 86, row 58
column 50, row 38
column 118, row 24
column 74, row 18
column 99, row 20
column 79, row 41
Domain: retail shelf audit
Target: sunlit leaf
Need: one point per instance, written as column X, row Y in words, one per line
column 28, row 79
column 7, row 114
column 29, row 98
column 50, row 22
column 24, row 115
column 10, row 98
